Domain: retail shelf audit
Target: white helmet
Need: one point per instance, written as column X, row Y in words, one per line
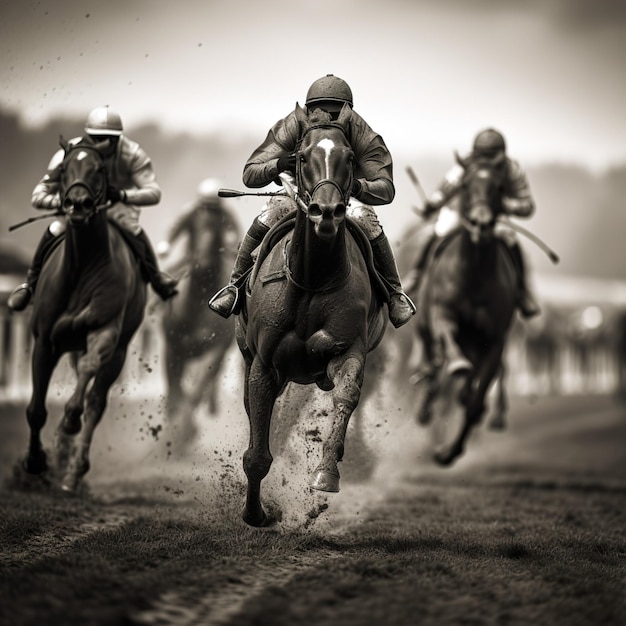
column 207, row 190
column 104, row 121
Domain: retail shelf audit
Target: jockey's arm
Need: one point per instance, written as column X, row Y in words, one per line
column 46, row 194
column 262, row 166
column 517, row 199
column 374, row 169
column 145, row 190
column 448, row 188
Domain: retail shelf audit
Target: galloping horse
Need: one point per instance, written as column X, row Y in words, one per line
column 190, row 331
column 466, row 304
column 311, row 312
column 90, row 301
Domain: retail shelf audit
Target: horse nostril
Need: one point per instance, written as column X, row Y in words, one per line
column 315, row 210
column 340, row 211
column 88, row 204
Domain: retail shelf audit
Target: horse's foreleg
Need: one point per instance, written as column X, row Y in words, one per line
column 95, row 405
column 444, row 330
column 347, row 376
column 261, row 390
column 44, row 360
column 498, row 421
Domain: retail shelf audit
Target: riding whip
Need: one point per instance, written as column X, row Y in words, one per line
column 34, row 219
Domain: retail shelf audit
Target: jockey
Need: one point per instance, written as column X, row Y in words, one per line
column 373, row 185
column 442, row 219
column 207, row 199
column 132, row 183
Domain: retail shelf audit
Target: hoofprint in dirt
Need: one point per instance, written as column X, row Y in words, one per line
column 527, row 527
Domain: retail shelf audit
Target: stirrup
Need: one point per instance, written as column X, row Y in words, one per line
column 231, row 288
column 409, row 309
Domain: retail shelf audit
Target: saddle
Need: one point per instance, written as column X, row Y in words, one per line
column 286, row 225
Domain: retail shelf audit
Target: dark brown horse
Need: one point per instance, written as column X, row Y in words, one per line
column 311, row 313
column 195, row 339
column 90, row 301
column 465, row 308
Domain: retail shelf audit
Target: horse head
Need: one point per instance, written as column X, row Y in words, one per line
column 324, row 169
column 83, row 184
column 481, row 194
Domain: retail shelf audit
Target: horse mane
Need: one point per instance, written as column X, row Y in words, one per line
column 319, row 116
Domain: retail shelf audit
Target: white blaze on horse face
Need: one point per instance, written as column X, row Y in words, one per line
column 81, row 155
column 327, row 145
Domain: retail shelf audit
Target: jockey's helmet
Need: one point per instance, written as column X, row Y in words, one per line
column 329, row 88
column 103, row 121
column 489, row 142
column 207, row 190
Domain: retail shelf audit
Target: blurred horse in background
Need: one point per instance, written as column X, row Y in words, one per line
column 196, row 341
column 466, row 302
column 312, row 311
column 90, row 300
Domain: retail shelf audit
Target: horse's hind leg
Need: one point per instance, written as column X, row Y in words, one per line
column 44, row 360
column 260, row 395
column 347, row 376
column 96, row 402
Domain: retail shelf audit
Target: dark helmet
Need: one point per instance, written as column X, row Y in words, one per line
column 329, row 88
column 489, row 142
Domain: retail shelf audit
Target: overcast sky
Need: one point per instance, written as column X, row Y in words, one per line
column 426, row 74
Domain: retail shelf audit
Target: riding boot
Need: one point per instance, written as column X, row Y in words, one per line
column 401, row 307
column 163, row 284
column 21, row 295
column 226, row 301
column 526, row 302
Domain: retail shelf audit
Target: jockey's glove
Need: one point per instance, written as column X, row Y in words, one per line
column 115, row 195
column 287, row 163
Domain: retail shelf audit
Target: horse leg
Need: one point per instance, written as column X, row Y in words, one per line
column 452, row 426
column 44, row 360
column 95, row 405
column 100, row 346
column 207, row 388
column 444, row 331
column 174, row 369
column 498, row 421
column 347, row 375
column 260, row 395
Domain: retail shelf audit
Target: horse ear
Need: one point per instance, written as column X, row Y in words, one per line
column 460, row 160
column 64, row 143
column 344, row 114
column 499, row 159
column 301, row 114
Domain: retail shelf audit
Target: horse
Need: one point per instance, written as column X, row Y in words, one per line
column 465, row 308
column 192, row 335
column 312, row 310
column 90, row 301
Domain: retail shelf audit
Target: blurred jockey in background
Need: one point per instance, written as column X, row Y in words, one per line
column 132, row 184
column 207, row 199
column 441, row 218
column 373, row 185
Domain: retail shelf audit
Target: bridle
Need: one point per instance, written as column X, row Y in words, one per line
column 97, row 195
column 303, row 192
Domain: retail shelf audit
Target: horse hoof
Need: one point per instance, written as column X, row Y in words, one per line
column 325, row 481
column 446, row 458
column 35, row 464
column 258, row 519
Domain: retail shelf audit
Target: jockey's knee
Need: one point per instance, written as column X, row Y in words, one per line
column 365, row 216
column 57, row 228
column 275, row 209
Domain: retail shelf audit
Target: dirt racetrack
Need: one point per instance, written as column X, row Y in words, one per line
column 526, row 528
